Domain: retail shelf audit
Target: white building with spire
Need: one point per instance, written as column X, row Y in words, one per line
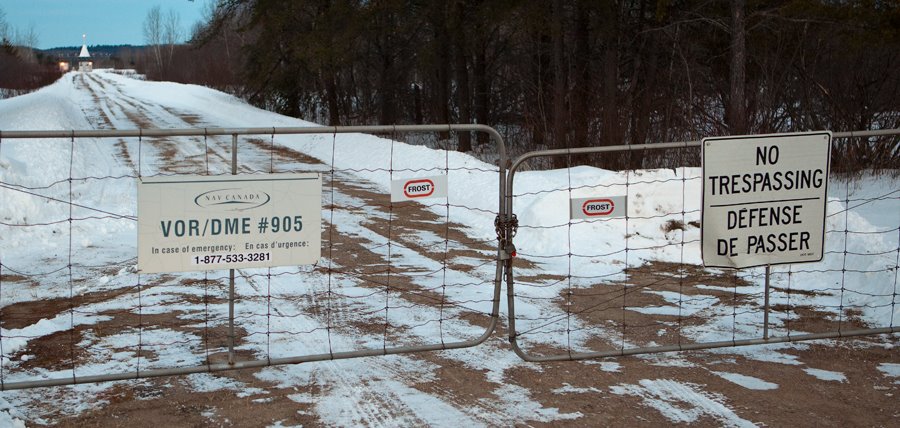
column 85, row 63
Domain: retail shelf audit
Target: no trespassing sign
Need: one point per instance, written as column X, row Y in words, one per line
column 764, row 199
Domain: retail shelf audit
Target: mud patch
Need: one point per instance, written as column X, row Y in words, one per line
column 224, row 399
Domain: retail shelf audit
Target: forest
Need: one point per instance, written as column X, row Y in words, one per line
column 22, row 68
column 556, row 74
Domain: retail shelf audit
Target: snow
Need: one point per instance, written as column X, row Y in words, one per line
column 606, row 366
column 585, row 252
column 890, row 370
column 566, row 389
column 682, row 402
column 826, row 375
column 279, row 424
column 748, row 382
column 9, row 416
column 205, row 382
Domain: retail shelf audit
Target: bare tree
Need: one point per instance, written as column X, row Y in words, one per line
column 20, row 71
column 4, row 26
column 171, row 34
column 566, row 73
column 153, row 34
column 737, row 108
column 26, row 41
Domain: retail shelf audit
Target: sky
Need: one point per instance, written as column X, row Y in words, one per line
column 60, row 23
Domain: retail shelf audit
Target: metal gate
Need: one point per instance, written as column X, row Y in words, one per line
column 393, row 278
column 401, row 278
column 635, row 285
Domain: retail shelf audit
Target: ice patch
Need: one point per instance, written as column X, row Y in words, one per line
column 656, row 310
column 767, row 354
column 682, row 402
column 569, row 389
column 404, row 406
column 207, row 382
column 610, row 366
column 518, row 398
column 668, row 360
column 280, row 424
column 826, row 375
column 748, row 382
column 890, row 370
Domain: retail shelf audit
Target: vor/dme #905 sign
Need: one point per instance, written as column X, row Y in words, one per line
column 764, row 199
column 193, row 223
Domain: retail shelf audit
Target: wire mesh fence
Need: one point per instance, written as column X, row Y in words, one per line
column 398, row 277
column 392, row 277
column 607, row 286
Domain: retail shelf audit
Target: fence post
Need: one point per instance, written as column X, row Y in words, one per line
column 766, row 308
column 234, row 139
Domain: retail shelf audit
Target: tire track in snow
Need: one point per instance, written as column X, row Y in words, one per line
column 434, row 374
column 116, row 109
column 382, row 392
column 346, row 384
column 374, row 391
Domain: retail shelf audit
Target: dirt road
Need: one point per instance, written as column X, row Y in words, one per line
column 393, row 275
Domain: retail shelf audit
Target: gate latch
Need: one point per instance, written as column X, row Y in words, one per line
column 506, row 228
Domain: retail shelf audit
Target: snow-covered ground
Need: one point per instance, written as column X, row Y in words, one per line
column 53, row 250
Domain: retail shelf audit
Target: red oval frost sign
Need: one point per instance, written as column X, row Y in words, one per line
column 418, row 188
column 598, row 207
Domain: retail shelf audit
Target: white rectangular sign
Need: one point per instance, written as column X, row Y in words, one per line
column 597, row 207
column 764, row 199
column 198, row 223
column 410, row 189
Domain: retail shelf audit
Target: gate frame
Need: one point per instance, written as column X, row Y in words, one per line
column 571, row 356
column 503, row 258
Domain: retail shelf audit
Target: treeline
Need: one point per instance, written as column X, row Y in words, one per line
column 557, row 74
column 22, row 68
